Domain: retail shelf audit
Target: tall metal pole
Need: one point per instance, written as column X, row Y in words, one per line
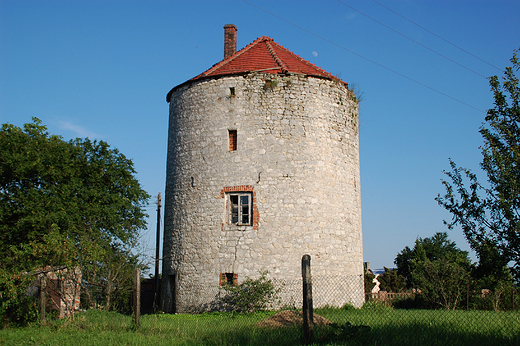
column 157, row 248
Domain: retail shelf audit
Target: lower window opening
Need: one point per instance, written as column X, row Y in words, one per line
column 228, row 279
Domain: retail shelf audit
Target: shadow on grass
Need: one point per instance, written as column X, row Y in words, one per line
column 411, row 334
column 414, row 334
column 102, row 328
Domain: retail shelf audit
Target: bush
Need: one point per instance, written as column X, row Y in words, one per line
column 16, row 306
column 376, row 305
column 348, row 306
column 251, row 295
column 369, row 281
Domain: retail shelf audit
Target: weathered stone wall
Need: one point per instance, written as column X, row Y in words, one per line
column 297, row 153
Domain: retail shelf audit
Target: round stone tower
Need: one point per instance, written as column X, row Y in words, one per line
column 263, row 167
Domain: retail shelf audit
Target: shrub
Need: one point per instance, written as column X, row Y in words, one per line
column 376, row 305
column 16, row 306
column 251, row 295
column 348, row 306
column 369, row 281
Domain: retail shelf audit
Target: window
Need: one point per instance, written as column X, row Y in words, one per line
column 228, row 279
column 239, row 208
column 232, row 140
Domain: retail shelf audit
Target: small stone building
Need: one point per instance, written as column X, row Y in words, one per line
column 61, row 288
column 262, row 168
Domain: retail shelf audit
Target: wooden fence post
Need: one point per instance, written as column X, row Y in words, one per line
column 467, row 295
column 43, row 296
column 308, row 317
column 137, row 297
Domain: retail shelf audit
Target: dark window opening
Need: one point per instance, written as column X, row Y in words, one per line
column 232, row 91
column 230, row 279
column 232, row 140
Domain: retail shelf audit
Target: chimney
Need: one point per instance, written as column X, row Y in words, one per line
column 230, row 40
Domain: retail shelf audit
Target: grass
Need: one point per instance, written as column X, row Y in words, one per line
column 428, row 327
column 377, row 326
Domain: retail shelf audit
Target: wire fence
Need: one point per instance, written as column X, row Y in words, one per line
column 346, row 318
column 342, row 315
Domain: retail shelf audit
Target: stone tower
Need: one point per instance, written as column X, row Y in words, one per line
column 263, row 167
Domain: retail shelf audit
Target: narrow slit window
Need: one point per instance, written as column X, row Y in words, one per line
column 232, row 140
column 232, row 91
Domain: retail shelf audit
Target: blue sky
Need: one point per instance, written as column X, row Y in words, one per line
column 101, row 69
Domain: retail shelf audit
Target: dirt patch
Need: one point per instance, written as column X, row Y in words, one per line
column 290, row 318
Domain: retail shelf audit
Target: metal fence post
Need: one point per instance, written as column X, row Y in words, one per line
column 308, row 318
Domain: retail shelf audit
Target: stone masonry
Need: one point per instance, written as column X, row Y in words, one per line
column 296, row 157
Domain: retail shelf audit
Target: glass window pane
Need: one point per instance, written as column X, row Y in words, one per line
column 234, row 214
column 240, row 208
column 245, row 214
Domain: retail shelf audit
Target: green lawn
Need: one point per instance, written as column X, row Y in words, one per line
column 429, row 327
column 367, row 327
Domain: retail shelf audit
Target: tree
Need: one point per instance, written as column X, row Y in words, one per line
column 434, row 248
column 441, row 282
column 369, row 281
column 437, row 268
column 391, row 281
column 74, row 203
column 489, row 214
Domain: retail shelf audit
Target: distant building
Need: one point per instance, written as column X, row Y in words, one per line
column 262, row 168
column 62, row 288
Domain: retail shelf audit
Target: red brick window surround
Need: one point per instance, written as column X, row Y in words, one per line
column 241, row 207
column 228, row 279
column 232, row 140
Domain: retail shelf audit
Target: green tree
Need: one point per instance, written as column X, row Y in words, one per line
column 434, row 248
column 489, row 214
column 391, row 281
column 369, row 281
column 437, row 268
column 442, row 283
column 74, row 203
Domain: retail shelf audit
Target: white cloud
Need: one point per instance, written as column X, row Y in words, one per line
column 78, row 130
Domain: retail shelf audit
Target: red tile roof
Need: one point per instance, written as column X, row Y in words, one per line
column 262, row 55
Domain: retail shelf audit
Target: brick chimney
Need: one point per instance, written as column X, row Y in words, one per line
column 230, row 40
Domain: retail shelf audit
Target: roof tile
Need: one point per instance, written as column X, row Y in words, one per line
column 262, row 55
column 265, row 55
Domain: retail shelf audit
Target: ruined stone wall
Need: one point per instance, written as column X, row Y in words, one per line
column 297, row 154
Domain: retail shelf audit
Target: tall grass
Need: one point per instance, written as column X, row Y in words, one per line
column 368, row 326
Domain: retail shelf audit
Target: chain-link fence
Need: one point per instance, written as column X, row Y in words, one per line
column 340, row 318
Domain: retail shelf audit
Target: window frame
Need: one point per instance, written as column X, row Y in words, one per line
column 239, row 207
